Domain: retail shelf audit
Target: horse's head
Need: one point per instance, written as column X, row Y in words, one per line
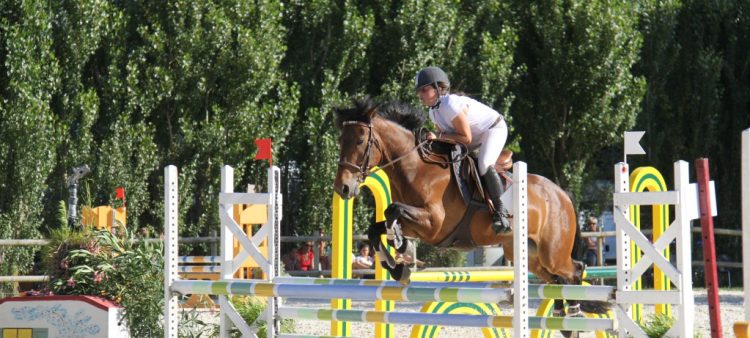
column 372, row 134
column 358, row 154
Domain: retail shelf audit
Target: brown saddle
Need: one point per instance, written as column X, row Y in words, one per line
column 464, row 169
column 470, row 184
column 466, row 176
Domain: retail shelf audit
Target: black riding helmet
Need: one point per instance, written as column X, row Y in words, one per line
column 431, row 76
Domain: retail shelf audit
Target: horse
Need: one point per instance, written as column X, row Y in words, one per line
column 427, row 201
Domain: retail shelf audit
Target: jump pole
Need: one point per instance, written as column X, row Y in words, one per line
column 742, row 329
column 650, row 179
column 520, row 252
column 342, row 229
column 171, row 203
column 707, row 203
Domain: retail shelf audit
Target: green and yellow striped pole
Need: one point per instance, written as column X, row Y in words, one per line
column 343, row 226
column 649, row 179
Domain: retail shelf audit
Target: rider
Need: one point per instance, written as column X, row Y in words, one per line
column 465, row 120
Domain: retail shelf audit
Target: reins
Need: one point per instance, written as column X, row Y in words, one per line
column 425, row 152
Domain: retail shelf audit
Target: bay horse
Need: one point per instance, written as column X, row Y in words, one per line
column 428, row 204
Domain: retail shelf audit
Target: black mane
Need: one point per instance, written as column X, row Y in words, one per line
column 403, row 114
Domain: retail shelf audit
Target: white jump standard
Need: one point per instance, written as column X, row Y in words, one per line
column 684, row 197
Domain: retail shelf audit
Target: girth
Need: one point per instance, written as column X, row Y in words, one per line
column 461, row 237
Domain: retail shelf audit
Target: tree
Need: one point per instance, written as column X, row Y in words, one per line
column 327, row 48
column 695, row 63
column 203, row 80
column 576, row 93
column 28, row 134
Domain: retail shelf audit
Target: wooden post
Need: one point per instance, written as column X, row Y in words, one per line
column 709, row 245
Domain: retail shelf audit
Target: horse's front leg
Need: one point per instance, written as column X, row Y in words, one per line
column 418, row 218
column 398, row 214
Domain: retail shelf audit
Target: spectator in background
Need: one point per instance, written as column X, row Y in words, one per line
column 290, row 260
column 590, row 257
column 306, row 257
column 325, row 257
column 324, row 249
column 363, row 260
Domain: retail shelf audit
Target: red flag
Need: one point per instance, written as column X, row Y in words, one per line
column 120, row 194
column 264, row 150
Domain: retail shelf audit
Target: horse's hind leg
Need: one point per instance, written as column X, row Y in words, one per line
column 574, row 306
column 545, row 275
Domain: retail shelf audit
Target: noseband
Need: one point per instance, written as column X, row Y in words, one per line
column 364, row 168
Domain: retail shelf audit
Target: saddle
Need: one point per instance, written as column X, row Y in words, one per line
column 474, row 194
column 466, row 174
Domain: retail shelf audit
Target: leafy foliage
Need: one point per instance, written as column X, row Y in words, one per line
column 250, row 308
column 130, row 86
column 124, row 268
column 657, row 325
column 439, row 257
column 577, row 93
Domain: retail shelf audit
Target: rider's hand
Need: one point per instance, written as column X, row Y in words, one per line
column 431, row 136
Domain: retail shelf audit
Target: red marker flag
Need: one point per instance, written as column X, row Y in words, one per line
column 120, row 194
column 264, row 150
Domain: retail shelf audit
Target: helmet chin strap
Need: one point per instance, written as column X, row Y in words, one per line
column 437, row 99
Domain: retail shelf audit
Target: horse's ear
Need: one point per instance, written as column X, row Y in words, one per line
column 372, row 112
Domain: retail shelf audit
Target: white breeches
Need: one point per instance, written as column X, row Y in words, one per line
column 493, row 141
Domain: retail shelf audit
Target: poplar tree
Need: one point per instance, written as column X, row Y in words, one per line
column 576, row 93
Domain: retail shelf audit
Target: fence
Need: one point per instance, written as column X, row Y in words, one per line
column 317, row 271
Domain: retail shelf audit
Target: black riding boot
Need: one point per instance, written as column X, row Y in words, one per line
column 494, row 188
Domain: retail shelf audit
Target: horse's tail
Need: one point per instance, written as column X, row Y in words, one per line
column 577, row 252
column 595, row 306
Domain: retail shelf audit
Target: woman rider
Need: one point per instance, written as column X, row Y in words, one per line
column 463, row 119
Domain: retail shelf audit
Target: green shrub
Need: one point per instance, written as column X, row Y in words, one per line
column 439, row 257
column 657, row 325
column 252, row 307
column 122, row 268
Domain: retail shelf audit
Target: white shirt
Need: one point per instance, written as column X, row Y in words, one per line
column 480, row 116
column 364, row 260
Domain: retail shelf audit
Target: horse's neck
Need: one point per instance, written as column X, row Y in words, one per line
column 395, row 140
column 404, row 174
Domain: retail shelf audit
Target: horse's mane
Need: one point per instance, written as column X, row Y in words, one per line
column 403, row 114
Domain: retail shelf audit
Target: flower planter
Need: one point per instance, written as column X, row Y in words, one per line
column 60, row 316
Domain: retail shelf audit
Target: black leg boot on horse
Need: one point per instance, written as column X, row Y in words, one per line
column 494, row 186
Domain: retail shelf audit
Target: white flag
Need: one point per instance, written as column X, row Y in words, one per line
column 632, row 145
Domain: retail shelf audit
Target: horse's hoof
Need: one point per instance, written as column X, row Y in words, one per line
column 574, row 311
column 569, row 334
column 578, row 314
column 392, row 212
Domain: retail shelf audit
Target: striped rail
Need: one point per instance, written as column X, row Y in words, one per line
column 536, row 291
column 417, row 318
column 354, row 292
column 502, row 274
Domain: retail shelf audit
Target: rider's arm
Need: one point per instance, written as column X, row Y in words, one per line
column 463, row 131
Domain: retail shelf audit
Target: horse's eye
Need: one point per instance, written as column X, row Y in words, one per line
column 360, row 141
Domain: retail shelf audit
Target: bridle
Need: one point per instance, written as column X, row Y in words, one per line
column 365, row 167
